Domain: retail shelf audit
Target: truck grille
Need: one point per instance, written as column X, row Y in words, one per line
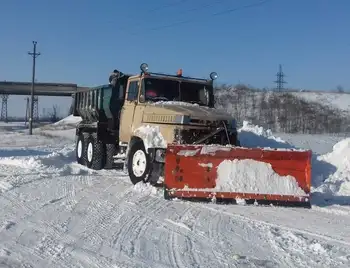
column 189, row 136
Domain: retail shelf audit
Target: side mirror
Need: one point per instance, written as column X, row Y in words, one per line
column 142, row 98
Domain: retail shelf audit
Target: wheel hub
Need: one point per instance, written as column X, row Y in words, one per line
column 80, row 148
column 139, row 163
column 89, row 152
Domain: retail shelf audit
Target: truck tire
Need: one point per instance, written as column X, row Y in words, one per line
column 138, row 163
column 85, row 137
column 79, row 149
column 110, row 152
column 95, row 153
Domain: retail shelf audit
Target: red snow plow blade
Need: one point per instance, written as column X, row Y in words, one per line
column 200, row 172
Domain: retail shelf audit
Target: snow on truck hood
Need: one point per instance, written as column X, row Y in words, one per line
column 183, row 108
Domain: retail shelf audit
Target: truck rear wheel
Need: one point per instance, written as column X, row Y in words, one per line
column 94, row 153
column 138, row 163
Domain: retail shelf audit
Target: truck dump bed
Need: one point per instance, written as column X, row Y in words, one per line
column 98, row 104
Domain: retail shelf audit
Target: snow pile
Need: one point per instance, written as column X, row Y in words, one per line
column 29, row 163
column 188, row 152
column 253, row 136
column 152, row 136
column 63, row 128
column 251, row 176
column 176, row 103
column 146, row 189
column 337, row 183
column 69, row 120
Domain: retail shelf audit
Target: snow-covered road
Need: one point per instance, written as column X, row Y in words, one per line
column 55, row 213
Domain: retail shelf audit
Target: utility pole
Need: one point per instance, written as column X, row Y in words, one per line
column 34, row 54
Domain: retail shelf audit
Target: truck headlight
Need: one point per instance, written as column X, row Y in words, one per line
column 160, row 155
column 182, row 119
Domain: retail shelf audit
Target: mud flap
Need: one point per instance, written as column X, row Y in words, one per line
column 191, row 172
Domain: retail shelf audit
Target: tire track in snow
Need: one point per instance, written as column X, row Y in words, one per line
column 190, row 216
column 63, row 238
column 301, row 250
column 214, row 233
column 100, row 216
column 173, row 249
column 106, row 214
column 275, row 225
column 193, row 236
column 48, row 250
column 29, row 210
column 134, row 227
column 50, row 230
column 215, row 225
column 286, row 240
column 174, row 253
column 110, row 218
column 171, row 227
column 69, row 194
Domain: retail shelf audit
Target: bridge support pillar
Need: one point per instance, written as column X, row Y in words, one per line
column 4, row 98
column 36, row 109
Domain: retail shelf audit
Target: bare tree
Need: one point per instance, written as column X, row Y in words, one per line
column 340, row 89
column 53, row 114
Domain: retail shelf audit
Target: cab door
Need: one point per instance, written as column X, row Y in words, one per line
column 140, row 108
column 128, row 110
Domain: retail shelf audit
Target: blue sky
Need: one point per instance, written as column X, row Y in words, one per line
column 82, row 41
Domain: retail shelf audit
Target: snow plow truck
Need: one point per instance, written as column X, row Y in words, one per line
column 164, row 129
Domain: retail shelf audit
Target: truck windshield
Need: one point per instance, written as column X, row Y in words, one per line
column 170, row 90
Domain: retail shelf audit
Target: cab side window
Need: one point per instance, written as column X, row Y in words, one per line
column 133, row 91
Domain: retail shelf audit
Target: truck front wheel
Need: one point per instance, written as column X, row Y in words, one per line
column 138, row 163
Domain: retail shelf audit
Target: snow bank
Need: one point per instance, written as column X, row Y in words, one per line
column 334, row 181
column 152, row 137
column 253, row 136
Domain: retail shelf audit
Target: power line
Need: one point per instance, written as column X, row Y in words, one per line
column 239, row 8
column 155, row 9
column 168, row 5
column 214, row 14
column 206, row 6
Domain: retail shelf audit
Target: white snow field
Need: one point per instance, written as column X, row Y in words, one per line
column 56, row 213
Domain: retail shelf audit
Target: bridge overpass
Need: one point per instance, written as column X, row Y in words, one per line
column 41, row 89
column 8, row 88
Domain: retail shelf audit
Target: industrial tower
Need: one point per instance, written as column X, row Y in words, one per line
column 280, row 79
column 4, row 99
